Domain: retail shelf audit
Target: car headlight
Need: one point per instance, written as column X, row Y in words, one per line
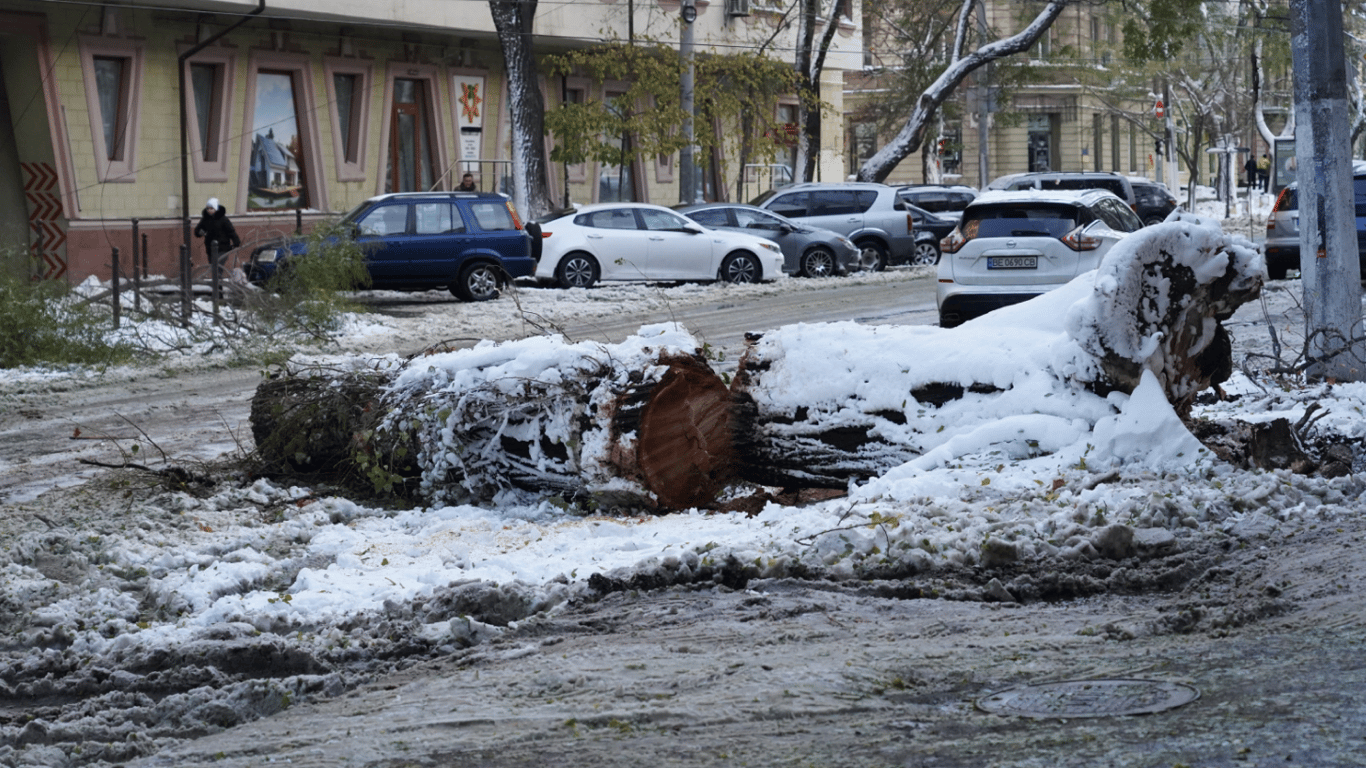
column 847, row 243
column 267, row 256
column 771, row 246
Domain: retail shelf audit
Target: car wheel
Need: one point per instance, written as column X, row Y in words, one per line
column 818, row 262
column 926, row 253
column 577, row 270
column 1277, row 271
column 740, row 268
column 477, row 282
column 872, row 255
column 1151, row 220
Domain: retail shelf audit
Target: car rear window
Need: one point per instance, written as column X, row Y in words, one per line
column 1020, row 221
column 1291, row 201
column 492, row 216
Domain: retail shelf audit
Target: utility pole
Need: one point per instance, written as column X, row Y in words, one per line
column 984, row 108
column 687, row 166
column 1329, row 270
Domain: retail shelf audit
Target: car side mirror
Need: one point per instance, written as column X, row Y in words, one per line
column 694, row 228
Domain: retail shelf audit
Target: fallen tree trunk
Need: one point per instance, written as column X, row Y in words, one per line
column 809, row 415
column 647, row 423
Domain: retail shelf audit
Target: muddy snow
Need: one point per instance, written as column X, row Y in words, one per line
column 197, row 614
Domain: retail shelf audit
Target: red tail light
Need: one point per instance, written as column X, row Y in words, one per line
column 953, row 242
column 1078, row 241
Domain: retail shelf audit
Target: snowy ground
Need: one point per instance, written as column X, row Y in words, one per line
column 138, row 618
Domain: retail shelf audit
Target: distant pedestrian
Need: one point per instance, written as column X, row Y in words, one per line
column 467, row 184
column 1251, row 168
column 1263, row 171
column 215, row 227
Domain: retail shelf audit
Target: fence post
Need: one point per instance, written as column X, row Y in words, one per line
column 118, row 300
column 137, row 281
column 298, row 221
column 185, row 285
column 215, row 279
column 144, row 255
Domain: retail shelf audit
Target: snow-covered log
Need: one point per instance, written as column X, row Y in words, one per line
column 647, row 423
column 644, row 423
column 819, row 408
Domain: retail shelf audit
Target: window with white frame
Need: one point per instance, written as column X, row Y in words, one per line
column 348, row 94
column 208, row 100
column 112, row 73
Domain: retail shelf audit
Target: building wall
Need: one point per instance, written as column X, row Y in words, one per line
column 94, row 195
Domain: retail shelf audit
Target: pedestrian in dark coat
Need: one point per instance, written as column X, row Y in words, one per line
column 215, row 227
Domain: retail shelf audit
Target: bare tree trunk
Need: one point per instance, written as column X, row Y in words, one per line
column 530, row 180
column 912, row 135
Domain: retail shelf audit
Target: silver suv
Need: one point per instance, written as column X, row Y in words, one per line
column 871, row 215
column 1013, row 246
column 1051, row 180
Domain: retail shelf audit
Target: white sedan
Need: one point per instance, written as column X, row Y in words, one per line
column 639, row 241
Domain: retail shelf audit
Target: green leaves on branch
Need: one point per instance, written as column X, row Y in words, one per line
column 648, row 110
column 1160, row 29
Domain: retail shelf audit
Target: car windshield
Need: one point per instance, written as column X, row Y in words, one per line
column 1020, row 221
column 355, row 213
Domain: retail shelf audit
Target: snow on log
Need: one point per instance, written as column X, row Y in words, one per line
column 820, row 405
column 641, row 423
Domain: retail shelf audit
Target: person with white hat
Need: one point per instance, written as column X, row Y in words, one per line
column 215, row 227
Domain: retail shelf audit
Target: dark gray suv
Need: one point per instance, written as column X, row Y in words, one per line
column 871, row 215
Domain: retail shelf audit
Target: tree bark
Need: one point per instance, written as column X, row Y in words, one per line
column 652, row 436
column 513, row 19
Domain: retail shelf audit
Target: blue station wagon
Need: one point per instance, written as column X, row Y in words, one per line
column 468, row 242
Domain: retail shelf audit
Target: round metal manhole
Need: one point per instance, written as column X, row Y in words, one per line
column 1089, row 698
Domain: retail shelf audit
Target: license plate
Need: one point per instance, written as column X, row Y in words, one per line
column 1012, row 262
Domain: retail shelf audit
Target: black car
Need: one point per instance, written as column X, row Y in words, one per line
column 934, row 229
column 1153, row 202
column 467, row 242
column 944, row 200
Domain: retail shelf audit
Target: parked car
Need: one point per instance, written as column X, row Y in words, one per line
column 1154, row 201
column 871, row 215
column 807, row 251
column 946, row 201
column 639, row 241
column 1050, row 180
column 929, row 230
column 468, row 242
column 1282, row 249
column 1013, row 246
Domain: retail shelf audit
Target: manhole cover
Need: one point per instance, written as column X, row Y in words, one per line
column 1089, row 698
